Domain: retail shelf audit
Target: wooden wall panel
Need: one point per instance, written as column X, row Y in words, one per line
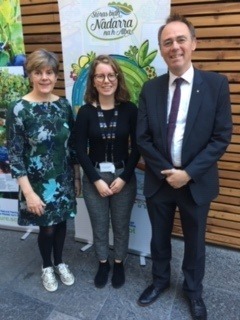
column 218, row 28
column 218, row 49
column 41, row 29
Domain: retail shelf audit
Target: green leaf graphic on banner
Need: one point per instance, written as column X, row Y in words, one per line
column 124, row 8
column 142, row 53
column 145, row 59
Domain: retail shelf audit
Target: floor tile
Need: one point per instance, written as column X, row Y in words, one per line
column 23, row 297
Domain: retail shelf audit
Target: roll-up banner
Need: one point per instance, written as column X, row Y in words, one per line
column 13, row 85
column 126, row 30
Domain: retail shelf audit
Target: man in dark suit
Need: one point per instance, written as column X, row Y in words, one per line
column 181, row 166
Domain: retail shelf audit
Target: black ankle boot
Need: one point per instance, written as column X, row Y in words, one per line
column 118, row 278
column 101, row 277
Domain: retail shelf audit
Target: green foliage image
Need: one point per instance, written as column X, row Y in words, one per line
column 12, row 87
column 11, row 38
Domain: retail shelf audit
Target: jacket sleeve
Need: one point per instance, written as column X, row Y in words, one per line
column 219, row 136
column 147, row 139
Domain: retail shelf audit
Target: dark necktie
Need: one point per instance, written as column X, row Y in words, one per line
column 173, row 114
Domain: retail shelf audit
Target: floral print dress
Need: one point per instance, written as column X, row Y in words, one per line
column 39, row 147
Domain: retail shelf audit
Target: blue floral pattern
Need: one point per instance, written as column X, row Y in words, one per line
column 39, row 147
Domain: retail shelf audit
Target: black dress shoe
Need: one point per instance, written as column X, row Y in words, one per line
column 149, row 295
column 198, row 309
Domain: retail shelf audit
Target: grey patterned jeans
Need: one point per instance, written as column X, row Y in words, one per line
column 117, row 208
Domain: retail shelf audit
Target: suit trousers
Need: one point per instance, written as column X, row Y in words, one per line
column 161, row 208
column 116, row 208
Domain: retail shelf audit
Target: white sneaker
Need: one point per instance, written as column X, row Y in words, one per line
column 49, row 279
column 65, row 274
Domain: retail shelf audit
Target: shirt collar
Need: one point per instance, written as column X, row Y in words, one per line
column 187, row 76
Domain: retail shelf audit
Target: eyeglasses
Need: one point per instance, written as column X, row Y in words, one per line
column 101, row 77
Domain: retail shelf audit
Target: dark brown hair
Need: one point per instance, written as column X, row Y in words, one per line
column 177, row 17
column 41, row 58
column 91, row 95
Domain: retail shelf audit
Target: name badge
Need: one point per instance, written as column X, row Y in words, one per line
column 107, row 167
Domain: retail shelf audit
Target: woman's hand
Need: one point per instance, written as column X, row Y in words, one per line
column 103, row 188
column 34, row 204
column 117, row 185
column 78, row 187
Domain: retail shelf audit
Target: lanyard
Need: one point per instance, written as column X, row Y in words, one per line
column 108, row 132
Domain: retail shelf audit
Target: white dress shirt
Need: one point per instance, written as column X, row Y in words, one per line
column 186, row 89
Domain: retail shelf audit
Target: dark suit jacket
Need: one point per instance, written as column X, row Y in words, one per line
column 207, row 133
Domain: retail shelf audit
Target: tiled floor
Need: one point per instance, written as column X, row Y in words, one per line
column 22, row 296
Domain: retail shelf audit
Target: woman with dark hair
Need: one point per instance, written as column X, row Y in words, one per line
column 43, row 161
column 107, row 151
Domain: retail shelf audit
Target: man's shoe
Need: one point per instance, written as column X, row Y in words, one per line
column 149, row 295
column 198, row 309
column 101, row 277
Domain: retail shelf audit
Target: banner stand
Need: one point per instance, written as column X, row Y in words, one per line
column 125, row 31
column 142, row 261
column 20, row 228
column 9, row 217
column 86, row 247
column 26, row 234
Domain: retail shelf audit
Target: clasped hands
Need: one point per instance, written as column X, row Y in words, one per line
column 176, row 178
column 105, row 190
